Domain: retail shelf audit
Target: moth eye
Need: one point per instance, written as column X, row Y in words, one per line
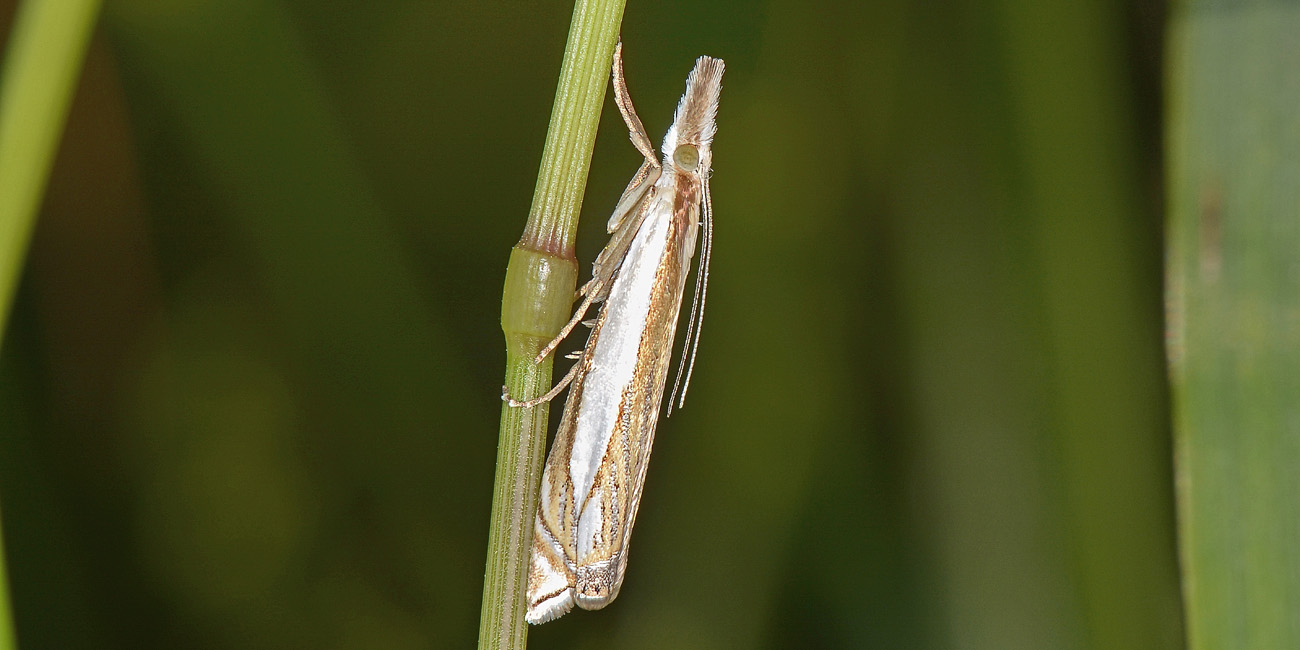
column 687, row 157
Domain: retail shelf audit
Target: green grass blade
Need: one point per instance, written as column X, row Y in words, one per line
column 1234, row 319
column 1088, row 222
column 40, row 73
column 538, row 296
column 41, row 67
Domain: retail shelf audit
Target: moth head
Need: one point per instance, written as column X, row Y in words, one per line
column 688, row 141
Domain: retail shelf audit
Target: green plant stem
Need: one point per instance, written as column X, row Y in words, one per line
column 1234, row 318
column 535, row 304
column 41, row 67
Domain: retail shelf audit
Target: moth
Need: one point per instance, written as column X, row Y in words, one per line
column 591, row 485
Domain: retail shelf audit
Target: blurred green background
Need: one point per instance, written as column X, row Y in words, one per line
column 250, row 389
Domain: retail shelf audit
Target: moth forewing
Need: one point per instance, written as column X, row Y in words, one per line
column 595, row 472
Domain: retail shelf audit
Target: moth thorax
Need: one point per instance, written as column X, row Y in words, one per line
column 686, row 157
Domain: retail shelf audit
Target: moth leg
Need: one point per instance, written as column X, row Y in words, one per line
column 650, row 169
column 586, row 289
column 634, row 194
column 550, row 395
column 636, row 130
column 591, row 292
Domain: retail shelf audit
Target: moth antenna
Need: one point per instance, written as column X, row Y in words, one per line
column 686, row 344
column 705, row 260
column 696, row 321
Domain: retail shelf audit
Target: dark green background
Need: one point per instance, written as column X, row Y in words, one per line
column 250, row 390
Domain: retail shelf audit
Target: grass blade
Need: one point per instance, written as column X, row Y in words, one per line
column 41, row 67
column 1234, row 319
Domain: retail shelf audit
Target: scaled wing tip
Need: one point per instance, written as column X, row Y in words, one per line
column 551, row 608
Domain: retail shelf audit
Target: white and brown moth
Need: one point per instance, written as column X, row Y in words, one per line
column 591, row 486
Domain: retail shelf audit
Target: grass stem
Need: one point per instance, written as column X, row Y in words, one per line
column 535, row 304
